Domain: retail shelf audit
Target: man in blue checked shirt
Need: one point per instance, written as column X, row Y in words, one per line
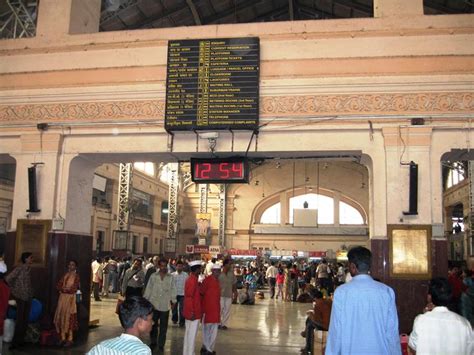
column 364, row 316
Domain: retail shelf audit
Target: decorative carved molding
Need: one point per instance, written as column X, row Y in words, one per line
column 364, row 104
column 84, row 111
column 270, row 106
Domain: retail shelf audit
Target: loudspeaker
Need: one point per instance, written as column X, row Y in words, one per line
column 33, row 199
column 413, row 198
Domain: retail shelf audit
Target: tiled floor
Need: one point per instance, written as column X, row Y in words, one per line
column 269, row 327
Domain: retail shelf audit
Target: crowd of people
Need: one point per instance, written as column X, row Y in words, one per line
column 344, row 296
column 348, row 303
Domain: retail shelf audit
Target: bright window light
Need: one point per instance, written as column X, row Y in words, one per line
column 349, row 215
column 324, row 205
column 271, row 214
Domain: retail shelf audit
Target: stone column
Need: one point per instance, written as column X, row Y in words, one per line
column 40, row 149
column 402, row 145
column 62, row 190
column 398, row 8
column 58, row 18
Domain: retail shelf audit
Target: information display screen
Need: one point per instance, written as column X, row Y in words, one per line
column 212, row 84
column 218, row 170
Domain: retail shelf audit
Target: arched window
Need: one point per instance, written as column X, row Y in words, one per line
column 456, row 174
column 272, row 214
column 349, row 214
column 324, row 205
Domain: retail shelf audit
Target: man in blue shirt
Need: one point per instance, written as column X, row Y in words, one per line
column 364, row 316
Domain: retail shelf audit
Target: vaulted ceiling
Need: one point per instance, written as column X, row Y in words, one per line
column 136, row 14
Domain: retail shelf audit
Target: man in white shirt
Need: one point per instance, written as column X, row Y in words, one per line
column 161, row 292
column 209, row 265
column 228, row 285
column 271, row 277
column 179, row 277
column 441, row 331
column 97, row 274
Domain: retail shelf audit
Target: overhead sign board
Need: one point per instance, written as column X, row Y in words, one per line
column 212, row 84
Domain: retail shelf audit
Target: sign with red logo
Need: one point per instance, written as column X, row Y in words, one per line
column 201, row 249
column 197, row 249
column 317, row 254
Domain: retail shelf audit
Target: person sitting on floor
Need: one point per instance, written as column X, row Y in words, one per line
column 318, row 318
column 246, row 295
column 136, row 317
column 307, row 295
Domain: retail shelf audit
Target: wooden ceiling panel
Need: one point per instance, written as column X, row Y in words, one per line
column 204, row 8
column 171, row 13
column 150, row 8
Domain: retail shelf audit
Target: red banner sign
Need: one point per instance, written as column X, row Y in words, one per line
column 243, row 252
column 317, row 254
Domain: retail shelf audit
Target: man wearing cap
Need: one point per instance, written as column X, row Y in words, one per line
column 192, row 307
column 211, row 296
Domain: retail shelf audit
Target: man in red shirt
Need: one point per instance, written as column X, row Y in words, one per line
column 454, row 279
column 211, row 309
column 318, row 318
column 192, row 307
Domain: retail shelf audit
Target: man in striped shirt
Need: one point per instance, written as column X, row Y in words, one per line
column 135, row 315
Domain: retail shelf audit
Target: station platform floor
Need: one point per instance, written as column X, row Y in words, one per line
column 269, row 327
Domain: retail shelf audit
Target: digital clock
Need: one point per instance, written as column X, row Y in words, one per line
column 219, row 170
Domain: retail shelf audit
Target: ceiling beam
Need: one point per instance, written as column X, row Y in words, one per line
column 440, row 7
column 192, row 7
column 272, row 14
column 291, row 10
column 355, row 6
column 317, row 12
column 234, row 10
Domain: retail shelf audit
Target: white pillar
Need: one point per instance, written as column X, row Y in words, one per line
column 79, row 195
column 58, row 18
column 41, row 149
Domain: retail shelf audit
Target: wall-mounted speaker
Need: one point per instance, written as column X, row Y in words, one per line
column 32, row 192
column 413, row 197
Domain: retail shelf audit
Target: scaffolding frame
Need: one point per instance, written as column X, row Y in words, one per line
column 19, row 21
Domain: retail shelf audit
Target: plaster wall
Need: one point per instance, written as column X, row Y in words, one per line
column 336, row 85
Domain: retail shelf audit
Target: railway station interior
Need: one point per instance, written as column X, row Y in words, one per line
column 358, row 133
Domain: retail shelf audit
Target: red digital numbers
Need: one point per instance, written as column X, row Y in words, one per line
column 219, row 171
column 237, row 167
column 224, row 170
column 203, row 170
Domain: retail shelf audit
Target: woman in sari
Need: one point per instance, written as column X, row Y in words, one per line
column 65, row 318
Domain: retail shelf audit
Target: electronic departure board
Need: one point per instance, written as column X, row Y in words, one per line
column 212, row 84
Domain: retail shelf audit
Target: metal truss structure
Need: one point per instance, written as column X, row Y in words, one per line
column 113, row 7
column 203, row 191
column 173, row 217
column 222, row 214
column 17, row 18
column 124, row 193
